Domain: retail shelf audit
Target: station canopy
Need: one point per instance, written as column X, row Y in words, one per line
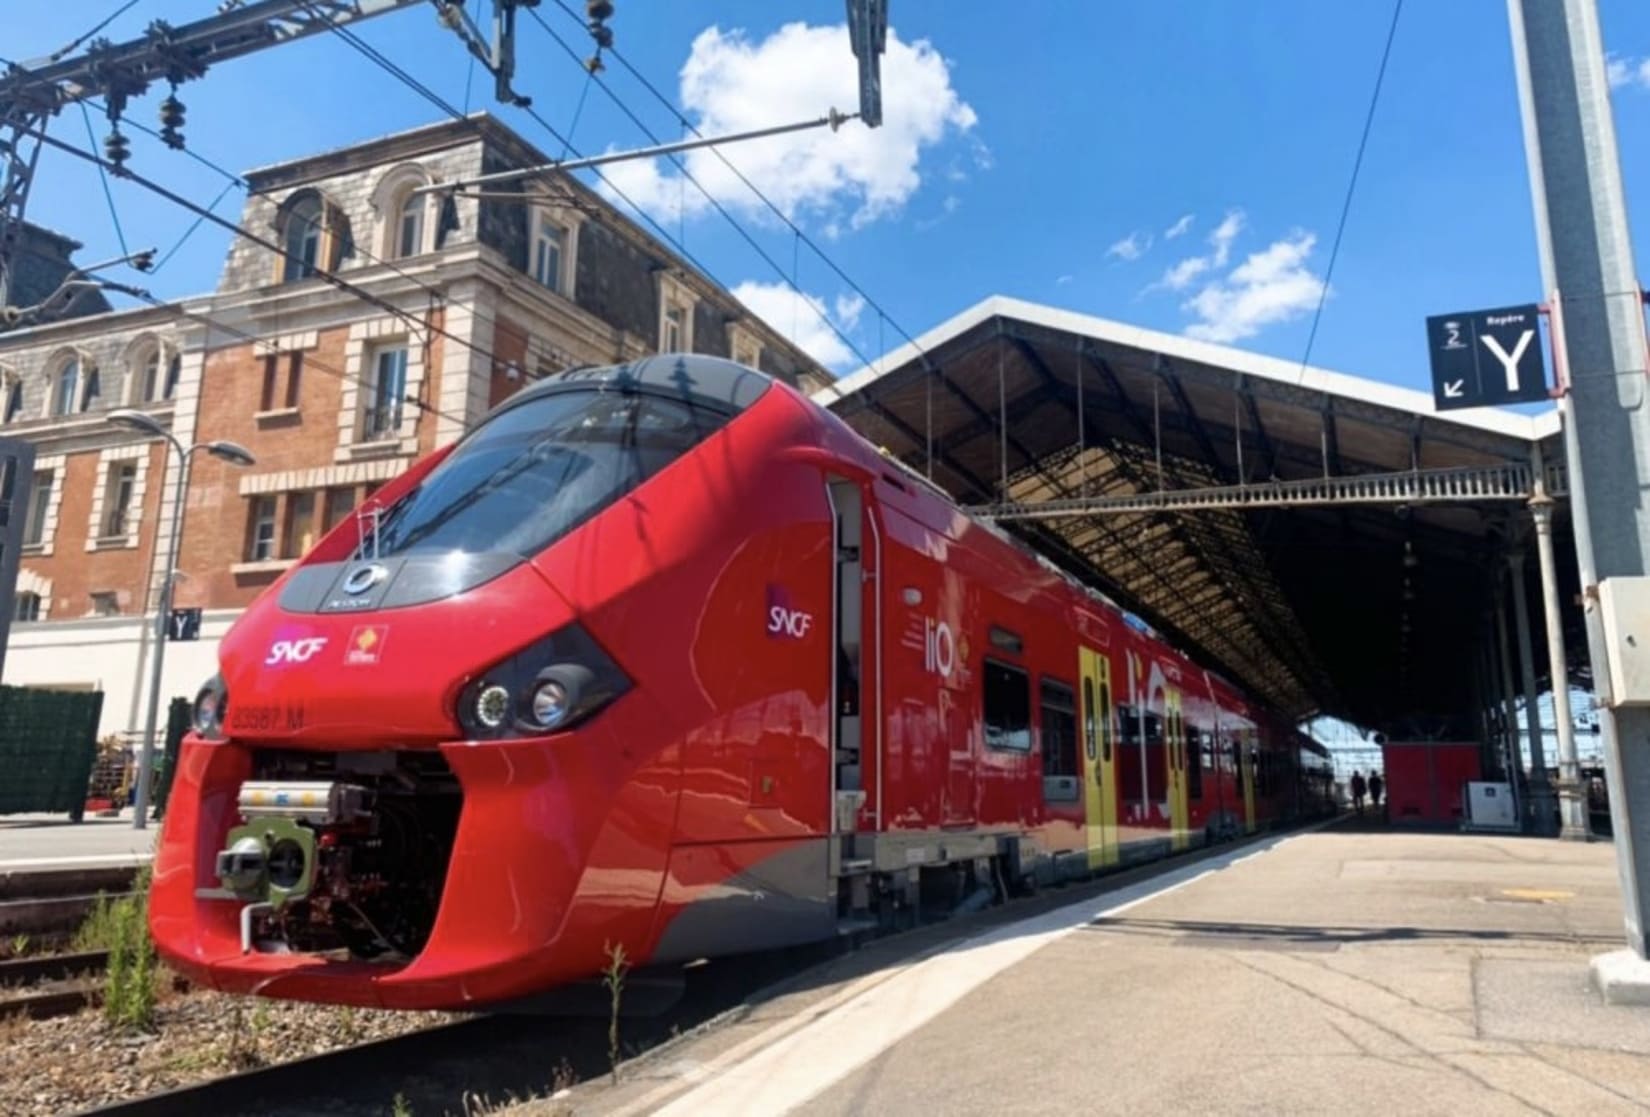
column 1328, row 542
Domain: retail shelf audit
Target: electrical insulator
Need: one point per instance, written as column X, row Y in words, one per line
column 117, row 148
column 599, row 10
column 171, row 122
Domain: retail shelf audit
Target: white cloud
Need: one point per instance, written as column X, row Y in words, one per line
column 1063, row 280
column 1179, row 228
column 1181, row 275
column 854, row 174
column 1131, row 247
column 804, row 319
column 1271, row 286
column 1627, row 71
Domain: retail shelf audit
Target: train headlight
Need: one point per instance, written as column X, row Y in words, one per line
column 211, row 707
column 550, row 704
column 493, row 705
column 551, row 685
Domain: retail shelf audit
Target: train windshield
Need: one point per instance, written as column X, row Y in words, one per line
column 540, row 469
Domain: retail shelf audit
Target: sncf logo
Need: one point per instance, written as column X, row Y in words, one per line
column 789, row 622
column 294, row 651
column 784, row 621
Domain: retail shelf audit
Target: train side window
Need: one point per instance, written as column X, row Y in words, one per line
column 1237, row 758
column 1194, row 762
column 1091, row 740
column 1007, row 707
column 1106, row 730
column 1058, row 732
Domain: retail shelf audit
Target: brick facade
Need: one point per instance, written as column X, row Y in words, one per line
column 331, row 394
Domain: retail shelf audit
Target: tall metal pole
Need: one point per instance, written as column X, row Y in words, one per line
column 1573, row 824
column 1587, row 257
column 163, row 610
column 1509, row 705
column 1541, row 790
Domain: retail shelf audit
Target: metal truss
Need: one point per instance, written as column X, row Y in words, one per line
column 1424, row 486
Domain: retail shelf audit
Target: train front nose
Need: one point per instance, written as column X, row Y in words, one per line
column 354, row 830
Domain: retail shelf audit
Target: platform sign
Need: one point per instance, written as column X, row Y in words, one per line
column 1487, row 357
column 184, row 624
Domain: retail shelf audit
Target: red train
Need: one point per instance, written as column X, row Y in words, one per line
column 665, row 655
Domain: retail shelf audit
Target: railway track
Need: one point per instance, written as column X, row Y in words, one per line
column 492, row 1058
column 46, row 907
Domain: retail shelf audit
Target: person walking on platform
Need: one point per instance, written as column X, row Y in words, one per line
column 1358, row 791
column 1375, row 786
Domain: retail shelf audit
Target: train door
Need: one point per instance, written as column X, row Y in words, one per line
column 1174, row 732
column 1099, row 759
column 856, row 692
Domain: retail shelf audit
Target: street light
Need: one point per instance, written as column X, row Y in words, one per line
column 234, row 454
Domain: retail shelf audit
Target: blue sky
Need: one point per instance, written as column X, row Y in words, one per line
column 1025, row 146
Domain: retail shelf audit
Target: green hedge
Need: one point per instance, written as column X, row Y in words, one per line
column 48, row 744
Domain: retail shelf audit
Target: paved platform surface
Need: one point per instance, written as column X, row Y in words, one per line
column 1342, row 971
column 44, row 841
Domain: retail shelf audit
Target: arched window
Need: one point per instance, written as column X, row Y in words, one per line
column 174, row 368
column 27, row 606
column 302, row 239
column 65, row 387
column 409, row 229
column 94, row 389
column 14, row 400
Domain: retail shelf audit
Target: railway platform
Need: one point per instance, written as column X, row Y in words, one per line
column 31, row 842
column 1350, row 969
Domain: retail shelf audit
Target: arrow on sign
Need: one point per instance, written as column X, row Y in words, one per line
column 1452, row 389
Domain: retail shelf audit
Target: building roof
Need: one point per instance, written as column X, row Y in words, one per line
column 1277, row 581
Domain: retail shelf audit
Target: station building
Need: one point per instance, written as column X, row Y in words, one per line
column 333, row 393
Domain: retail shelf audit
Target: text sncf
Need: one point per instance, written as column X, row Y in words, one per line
column 788, row 622
column 294, row 651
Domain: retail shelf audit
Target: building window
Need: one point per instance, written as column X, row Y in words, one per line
column 671, row 342
column 1007, row 707
column 275, row 393
column 260, row 529
column 299, row 535
column 118, row 499
column 409, row 240
column 105, row 604
column 174, row 369
column 14, row 401
column 94, row 389
column 40, row 499
column 150, row 372
column 339, row 504
column 549, row 246
column 389, row 386
column 303, row 239
column 65, row 387
column 747, row 351
column 1058, row 729
column 27, row 607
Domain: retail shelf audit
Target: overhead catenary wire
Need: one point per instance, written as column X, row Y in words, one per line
column 739, row 228
column 103, row 177
column 1351, row 186
column 567, row 145
column 421, row 324
column 882, row 312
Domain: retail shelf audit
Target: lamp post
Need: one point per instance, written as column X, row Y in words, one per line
column 226, row 451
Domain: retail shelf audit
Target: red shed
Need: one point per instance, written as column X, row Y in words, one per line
column 1424, row 780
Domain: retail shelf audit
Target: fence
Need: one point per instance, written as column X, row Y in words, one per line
column 48, row 743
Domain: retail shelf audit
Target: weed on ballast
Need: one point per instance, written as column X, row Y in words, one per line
column 613, row 978
column 129, row 983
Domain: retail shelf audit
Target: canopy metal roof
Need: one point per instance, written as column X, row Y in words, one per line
column 1327, row 541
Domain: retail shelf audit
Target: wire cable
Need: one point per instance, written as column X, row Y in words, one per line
column 103, row 176
column 331, row 278
column 739, row 228
column 813, row 246
column 189, row 232
column 1352, row 184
